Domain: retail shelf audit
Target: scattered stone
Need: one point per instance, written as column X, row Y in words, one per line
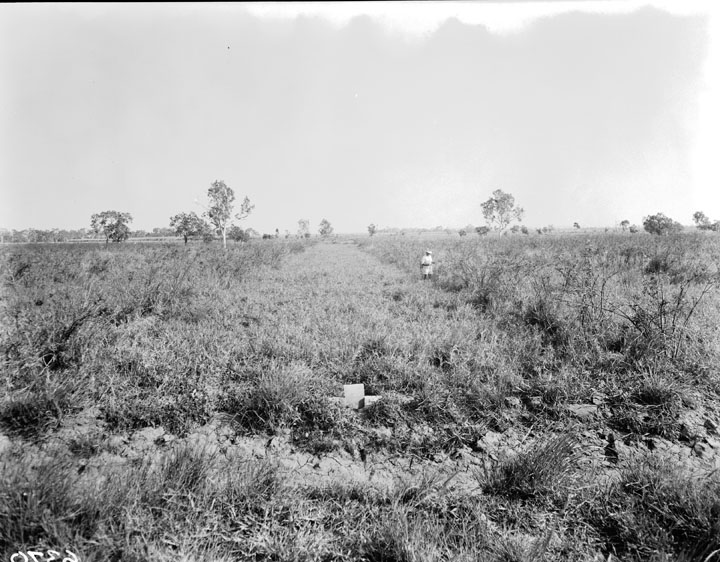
column 583, row 411
column 5, row 443
column 710, row 426
column 491, row 440
column 686, row 433
column 383, row 432
column 165, row 439
column 116, row 442
column 698, row 449
column 535, row 403
column 512, row 401
column 203, row 442
column 150, row 434
column 611, row 452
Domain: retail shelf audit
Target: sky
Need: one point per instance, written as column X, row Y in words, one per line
column 401, row 114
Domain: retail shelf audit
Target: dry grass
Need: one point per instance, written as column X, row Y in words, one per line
column 509, row 333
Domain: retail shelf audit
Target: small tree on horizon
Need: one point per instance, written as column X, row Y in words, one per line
column 238, row 234
column 112, row 224
column 625, row 224
column 326, row 228
column 701, row 220
column 372, row 229
column 221, row 206
column 661, row 225
column 704, row 223
column 304, row 228
column 188, row 224
column 500, row 210
column 576, row 225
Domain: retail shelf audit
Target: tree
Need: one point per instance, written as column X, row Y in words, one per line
column 112, row 224
column 634, row 229
column 482, row 230
column 372, row 229
column 304, row 228
column 701, row 220
column 661, row 225
column 625, row 224
column 500, row 210
column 158, row 232
column 462, row 233
column 576, row 225
column 326, row 228
column 188, row 224
column 221, row 207
column 238, row 234
column 704, row 223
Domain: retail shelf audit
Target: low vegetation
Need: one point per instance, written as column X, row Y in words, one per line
column 535, row 397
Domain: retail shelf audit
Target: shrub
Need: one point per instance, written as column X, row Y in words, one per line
column 661, row 225
column 541, row 471
column 655, row 510
column 282, row 397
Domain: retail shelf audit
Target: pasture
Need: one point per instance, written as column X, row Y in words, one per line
column 542, row 398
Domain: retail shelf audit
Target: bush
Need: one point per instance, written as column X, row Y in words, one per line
column 541, row 471
column 655, row 510
column 661, row 225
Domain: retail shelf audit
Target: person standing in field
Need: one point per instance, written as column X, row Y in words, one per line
column 426, row 265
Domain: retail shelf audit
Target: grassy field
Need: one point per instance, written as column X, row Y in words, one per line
column 542, row 398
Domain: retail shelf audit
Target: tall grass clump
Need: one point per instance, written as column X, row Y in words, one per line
column 655, row 511
column 281, row 397
column 544, row 470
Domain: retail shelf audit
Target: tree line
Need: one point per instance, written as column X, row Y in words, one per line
column 499, row 212
column 217, row 219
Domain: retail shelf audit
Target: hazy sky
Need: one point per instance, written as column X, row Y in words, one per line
column 401, row 114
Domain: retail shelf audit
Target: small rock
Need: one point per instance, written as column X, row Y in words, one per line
column 116, row 442
column 490, row 440
column 150, row 434
column 611, row 452
column 5, row 443
column 710, row 426
column 535, row 403
column 698, row 449
column 686, row 433
column 512, row 401
column 382, row 432
column 583, row 411
column 165, row 439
